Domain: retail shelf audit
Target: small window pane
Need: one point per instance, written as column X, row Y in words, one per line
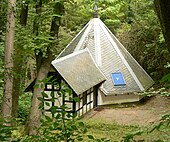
column 118, row 79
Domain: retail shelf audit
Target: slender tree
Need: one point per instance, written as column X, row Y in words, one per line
column 18, row 64
column 9, row 45
column 43, row 64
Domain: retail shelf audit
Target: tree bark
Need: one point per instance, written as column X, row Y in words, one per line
column 38, row 12
column 56, row 21
column 9, row 45
column 24, row 14
column 162, row 8
column 35, row 112
column 18, row 62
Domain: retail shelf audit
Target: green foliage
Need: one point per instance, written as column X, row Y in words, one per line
column 3, row 7
column 3, row 11
column 107, row 130
column 164, row 121
column 2, row 44
column 162, row 127
column 28, row 44
column 58, row 128
column 155, row 92
column 77, row 14
column 1, row 64
column 129, row 137
column 5, row 129
column 59, row 124
column 143, row 39
column 25, row 36
column 24, row 106
column 142, row 36
column 113, row 13
column 166, row 78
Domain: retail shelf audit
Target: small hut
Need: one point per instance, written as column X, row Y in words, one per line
column 98, row 69
column 96, row 59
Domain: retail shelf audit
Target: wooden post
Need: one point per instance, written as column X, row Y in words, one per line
column 74, row 103
column 95, row 95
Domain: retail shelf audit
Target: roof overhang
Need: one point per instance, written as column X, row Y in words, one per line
column 79, row 70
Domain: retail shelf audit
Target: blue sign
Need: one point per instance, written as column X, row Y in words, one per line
column 118, row 79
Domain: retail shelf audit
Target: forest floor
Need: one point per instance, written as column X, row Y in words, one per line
column 141, row 114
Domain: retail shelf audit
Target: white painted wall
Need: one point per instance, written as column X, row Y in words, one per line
column 120, row 98
column 85, row 108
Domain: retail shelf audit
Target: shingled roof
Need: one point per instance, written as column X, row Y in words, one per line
column 110, row 56
column 79, row 70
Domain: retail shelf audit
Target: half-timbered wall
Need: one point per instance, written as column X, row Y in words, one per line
column 87, row 100
column 51, row 91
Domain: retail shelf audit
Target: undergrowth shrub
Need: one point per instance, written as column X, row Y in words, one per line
column 6, row 129
column 160, row 128
column 59, row 124
column 144, row 40
column 24, row 106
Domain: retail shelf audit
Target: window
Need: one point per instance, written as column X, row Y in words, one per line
column 118, row 79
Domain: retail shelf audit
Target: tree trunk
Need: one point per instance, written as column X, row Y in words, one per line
column 38, row 12
column 9, row 45
column 35, row 112
column 24, row 14
column 43, row 66
column 18, row 62
column 162, row 8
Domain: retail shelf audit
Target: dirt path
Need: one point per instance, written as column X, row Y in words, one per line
column 139, row 114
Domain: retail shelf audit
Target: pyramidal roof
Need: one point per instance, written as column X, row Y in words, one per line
column 111, row 57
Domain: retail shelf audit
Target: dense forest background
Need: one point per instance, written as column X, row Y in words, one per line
column 44, row 28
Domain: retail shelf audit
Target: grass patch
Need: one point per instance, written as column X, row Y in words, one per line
column 110, row 130
column 116, row 132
